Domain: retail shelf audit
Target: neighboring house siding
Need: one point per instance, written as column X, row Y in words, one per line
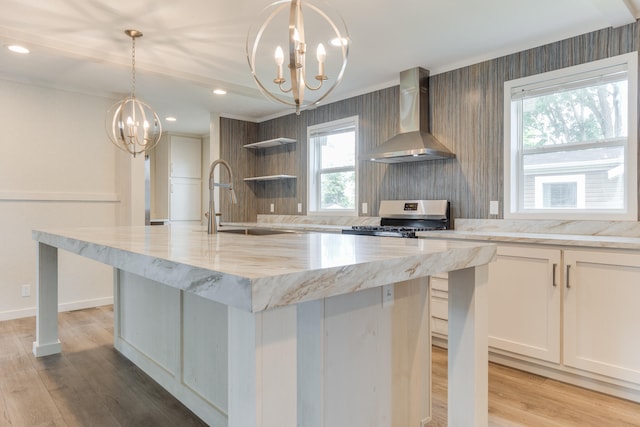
column 600, row 190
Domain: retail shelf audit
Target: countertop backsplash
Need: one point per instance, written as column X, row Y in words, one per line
column 579, row 227
column 319, row 219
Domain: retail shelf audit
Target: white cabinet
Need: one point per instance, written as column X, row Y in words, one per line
column 566, row 313
column 185, row 199
column 185, row 158
column 176, row 177
column 602, row 313
column 524, row 302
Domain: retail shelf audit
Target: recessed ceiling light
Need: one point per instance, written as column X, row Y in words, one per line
column 170, row 119
column 220, row 91
column 339, row 42
column 17, row 48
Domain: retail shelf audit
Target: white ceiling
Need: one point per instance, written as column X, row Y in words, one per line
column 193, row 46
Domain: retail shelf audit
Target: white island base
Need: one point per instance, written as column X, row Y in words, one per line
column 355, row 360
column 360, row 358
column 352, row 360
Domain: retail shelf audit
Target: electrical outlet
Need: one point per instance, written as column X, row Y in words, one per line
column 365, row 208
column 387, row 295
column 25, row 290
column 494, row 207
column 299, row 207
column 272, row 208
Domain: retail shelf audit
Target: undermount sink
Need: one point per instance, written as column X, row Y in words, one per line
column 254, row 231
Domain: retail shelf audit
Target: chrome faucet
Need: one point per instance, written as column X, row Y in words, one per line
column 212, row 229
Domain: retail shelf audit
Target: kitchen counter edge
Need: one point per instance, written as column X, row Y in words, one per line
column 575, row 240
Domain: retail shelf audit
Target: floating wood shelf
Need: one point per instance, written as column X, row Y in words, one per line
column 270, row 177
column 270, row 143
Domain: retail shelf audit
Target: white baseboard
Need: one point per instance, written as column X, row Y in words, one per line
column 68, row 306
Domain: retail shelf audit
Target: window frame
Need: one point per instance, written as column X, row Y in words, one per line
column 313, row 166
column 513, row 154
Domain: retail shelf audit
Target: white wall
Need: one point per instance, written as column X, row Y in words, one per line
column 57, row 168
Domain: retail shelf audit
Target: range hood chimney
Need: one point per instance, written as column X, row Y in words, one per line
column 414, row 143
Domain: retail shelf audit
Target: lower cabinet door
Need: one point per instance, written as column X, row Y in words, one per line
column 185, row 199
column 602, row 313
column 524, row 302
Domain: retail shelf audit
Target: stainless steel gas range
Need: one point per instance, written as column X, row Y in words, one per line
column 404, row 218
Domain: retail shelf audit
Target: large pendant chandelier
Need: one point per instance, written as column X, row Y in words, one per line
column 132, row 125
column 277, row 30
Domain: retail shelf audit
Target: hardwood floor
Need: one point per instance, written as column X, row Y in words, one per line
column 91, row 384
column 518, row 398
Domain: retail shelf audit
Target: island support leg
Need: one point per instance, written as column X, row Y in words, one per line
column 263, row 368
column 468, row 348
column 47, row 341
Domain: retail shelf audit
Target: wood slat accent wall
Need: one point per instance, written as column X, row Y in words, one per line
column 233, row 135
column 466, row 116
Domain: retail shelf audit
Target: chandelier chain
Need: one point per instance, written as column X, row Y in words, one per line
column 133, row 67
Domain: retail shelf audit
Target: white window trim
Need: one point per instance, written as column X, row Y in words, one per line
column 313, row 186
column 630, row 210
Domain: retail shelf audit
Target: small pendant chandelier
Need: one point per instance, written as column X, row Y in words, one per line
column 324, row 28
column 132, row 125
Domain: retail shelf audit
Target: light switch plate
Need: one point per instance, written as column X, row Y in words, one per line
column 299, row 207
column 365, row 208
column 272, row 208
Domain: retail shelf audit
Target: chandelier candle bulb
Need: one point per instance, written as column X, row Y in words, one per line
column 321, row 55
column 279, row 57
column 130, row 127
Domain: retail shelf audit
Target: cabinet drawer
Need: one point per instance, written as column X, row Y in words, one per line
column 439, row 326
column 439, row 308
column 439, row 294
column 439, row 283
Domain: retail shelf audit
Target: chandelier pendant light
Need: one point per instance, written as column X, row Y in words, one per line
column 132, row 125
column 289, row 88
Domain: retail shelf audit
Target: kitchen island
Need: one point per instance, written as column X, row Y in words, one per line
column 286, row 329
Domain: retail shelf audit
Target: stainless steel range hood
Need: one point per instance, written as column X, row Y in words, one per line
column 414, row 143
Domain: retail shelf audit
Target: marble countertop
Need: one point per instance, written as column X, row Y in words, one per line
column 592, row 234
column 574, row 240
column 256, row 273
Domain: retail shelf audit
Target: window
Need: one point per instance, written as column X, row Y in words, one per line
column 332, row 167
column 571, row 142
column 560, row 191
